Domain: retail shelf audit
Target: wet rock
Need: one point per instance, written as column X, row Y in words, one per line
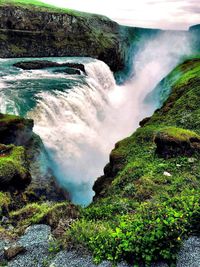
column 71, row 71
column 73, row 68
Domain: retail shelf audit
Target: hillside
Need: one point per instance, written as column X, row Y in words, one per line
column 147, row 202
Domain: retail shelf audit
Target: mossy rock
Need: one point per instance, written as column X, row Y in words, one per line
column 14, row 173
column 15, row 130
column 173, row 141
column 45, row 212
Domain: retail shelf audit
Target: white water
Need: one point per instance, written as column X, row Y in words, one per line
column 80, row 127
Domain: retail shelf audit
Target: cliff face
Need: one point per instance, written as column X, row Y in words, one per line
column 30, row 32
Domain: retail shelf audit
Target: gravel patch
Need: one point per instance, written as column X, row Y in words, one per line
column 189, row 255
column 36, row 242
column 72, row 259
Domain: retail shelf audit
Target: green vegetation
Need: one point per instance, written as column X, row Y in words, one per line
column 42, row 212
column 4, row 202
column 12, row 164
column 144, row 214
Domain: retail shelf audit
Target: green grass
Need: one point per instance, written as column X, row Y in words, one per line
column 38, row 5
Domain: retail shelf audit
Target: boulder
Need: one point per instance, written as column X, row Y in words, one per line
column 12, row 251
column 72, row 68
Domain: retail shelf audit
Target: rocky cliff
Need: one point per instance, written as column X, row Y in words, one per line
column 28, row 31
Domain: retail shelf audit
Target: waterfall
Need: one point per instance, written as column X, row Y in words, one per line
column 80, row 118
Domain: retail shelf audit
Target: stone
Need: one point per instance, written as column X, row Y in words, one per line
column 72, row 68
column 13, row 251
column 167, row 174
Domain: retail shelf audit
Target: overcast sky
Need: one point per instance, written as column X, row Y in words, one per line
column 165, row 14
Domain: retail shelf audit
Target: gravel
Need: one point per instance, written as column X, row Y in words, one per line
column 36, row 242
column 72, row 259
column 189, row 255
column 37, row 239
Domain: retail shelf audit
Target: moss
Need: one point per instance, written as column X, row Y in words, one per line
column 3, row 37
column 13, row 164
column 17, row 50
column 7, row 118
column 179, row 133
column 5, row 201
column 45, row 212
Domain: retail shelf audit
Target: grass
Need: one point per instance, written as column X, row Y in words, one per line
column 41, row 6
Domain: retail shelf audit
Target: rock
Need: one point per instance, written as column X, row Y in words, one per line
column 189, row 255
column 62, row 33
column 167, row 174
column 4, row 220
column 73, row 68
column 172, row 142
column 13, row 251
column 71, row 71
column 15, row 130
column 144, row 121
column 191, row 160
column 63, row 225
column 115, row 164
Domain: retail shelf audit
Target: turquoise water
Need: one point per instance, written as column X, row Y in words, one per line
column 20, row 90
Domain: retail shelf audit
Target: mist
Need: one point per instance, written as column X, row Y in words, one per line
column 80, row 128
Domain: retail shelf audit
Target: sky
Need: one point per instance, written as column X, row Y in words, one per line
column 163, row 14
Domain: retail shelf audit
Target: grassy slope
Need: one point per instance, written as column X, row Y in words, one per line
column 145, row 215
column 38, row 5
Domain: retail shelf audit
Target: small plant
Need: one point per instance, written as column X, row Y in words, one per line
column 54, row 247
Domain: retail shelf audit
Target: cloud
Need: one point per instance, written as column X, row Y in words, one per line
column 165, row 14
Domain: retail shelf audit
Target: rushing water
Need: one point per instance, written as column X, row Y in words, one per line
column 79, row 117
